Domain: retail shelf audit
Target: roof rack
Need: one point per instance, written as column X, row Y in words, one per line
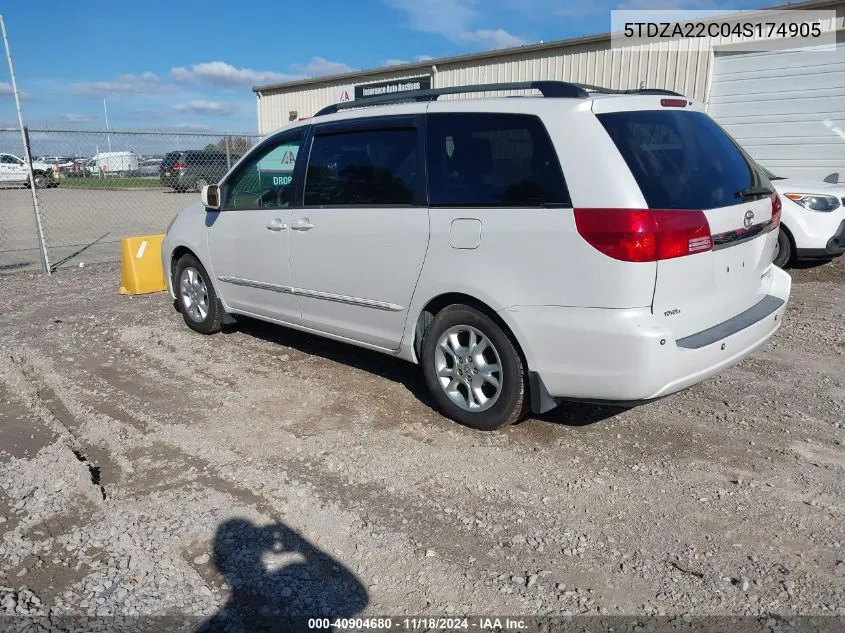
column 546, row 88
column 633, row 91
column 553, row 89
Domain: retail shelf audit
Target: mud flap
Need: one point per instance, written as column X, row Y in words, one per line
column 541, row 401
column 225, row 317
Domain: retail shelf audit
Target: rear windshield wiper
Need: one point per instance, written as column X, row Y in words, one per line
column 754, row 192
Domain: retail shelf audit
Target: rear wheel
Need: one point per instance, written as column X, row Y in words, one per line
column 195, row 295
column 783, row 250
column 41, row 181
column 473, row 369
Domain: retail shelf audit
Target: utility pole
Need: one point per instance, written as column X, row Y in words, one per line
column 108, row 135
column 42, row 249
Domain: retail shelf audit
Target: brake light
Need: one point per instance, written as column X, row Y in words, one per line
column 178, row 166
column 644, row 235
column 673, row 103
column 777, row 207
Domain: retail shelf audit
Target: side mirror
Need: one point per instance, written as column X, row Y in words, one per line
column 211, row 197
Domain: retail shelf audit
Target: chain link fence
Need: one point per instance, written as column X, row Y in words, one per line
column 95, row 187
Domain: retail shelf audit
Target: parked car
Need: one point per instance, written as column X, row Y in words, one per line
column 587, row 246
column 78, row 168
column 149, row 167
column 813, row 221
column 193, row 169
column 13, row 170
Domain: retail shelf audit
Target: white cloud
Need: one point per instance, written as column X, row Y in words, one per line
column 319, row 66
column 455, row 20
column 493, row 38
column 193, row 127
column 203, row 106
column 6, row 91
column 223, row 74
column 399, row 62
column 145, row 83
column 74, row 118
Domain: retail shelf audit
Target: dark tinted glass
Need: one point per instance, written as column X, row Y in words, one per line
column 681, row 160
column 492, row 160
column 372, row 167
column 171, row 158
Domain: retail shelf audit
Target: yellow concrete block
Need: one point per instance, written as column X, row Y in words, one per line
column 141, row 271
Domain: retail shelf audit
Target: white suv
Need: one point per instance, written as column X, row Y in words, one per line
column 600, row 247
column 13, row 170
column 813, row 222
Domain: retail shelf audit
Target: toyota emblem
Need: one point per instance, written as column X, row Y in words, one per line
column 749, row 219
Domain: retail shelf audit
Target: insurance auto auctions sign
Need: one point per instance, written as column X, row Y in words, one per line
column 385, row 88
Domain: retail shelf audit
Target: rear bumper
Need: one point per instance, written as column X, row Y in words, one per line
column 835, row 246
column 627, row 356
column 174, row 180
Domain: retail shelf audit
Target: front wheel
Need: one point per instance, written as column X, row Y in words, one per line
column 195, row 294
column 783, row 250
column 473, row 369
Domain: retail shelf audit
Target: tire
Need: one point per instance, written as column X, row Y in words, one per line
column 783, row 254
column 501, row 406
column 199, row 183
column 41, row 181
column 195, row 295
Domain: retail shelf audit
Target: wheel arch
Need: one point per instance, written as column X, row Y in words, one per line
column 182, row 249
column 793, row 256
column 446, row 299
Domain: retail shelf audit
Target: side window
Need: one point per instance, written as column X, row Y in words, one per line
column 492, row 160
column 265, row 180
column 367, row 167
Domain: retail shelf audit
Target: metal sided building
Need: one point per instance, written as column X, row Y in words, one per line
column 787, row 108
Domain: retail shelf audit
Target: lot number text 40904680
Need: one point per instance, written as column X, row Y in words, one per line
column 418, row 623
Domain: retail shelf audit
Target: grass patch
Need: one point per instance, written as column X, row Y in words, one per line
column 110, row 183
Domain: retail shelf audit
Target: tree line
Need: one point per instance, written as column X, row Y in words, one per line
column 237, row 145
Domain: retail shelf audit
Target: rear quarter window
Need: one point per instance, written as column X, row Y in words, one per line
column 492, row 160
column 681, row 160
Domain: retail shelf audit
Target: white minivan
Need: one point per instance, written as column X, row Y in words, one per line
column 583, row 244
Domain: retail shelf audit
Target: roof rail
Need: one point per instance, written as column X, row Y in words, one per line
column 555, row 89
column 633, row 91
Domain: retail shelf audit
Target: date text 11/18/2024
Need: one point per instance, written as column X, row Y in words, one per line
column 418, row 623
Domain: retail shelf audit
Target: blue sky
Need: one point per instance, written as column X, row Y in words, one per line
column 190, row 65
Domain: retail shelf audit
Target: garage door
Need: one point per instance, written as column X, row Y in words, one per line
column 787, row 108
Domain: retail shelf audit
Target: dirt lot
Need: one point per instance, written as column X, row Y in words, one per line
column 147, row 469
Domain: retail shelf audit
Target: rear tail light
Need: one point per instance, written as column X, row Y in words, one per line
column 673, row 103
column 644, row 235
column 178, row 166
column 777, row 207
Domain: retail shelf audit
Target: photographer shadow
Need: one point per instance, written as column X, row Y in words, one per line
column 278, row 581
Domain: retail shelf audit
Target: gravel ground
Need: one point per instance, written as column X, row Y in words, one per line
column 146, row 469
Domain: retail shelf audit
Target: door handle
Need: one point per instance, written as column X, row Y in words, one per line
column 302, row 224
column 277, row 225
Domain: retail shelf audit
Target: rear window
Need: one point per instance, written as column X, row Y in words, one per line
column 171, row 158
column 681, row 160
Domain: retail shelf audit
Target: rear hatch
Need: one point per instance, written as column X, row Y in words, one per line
column 170, row 159
column 684, row 162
